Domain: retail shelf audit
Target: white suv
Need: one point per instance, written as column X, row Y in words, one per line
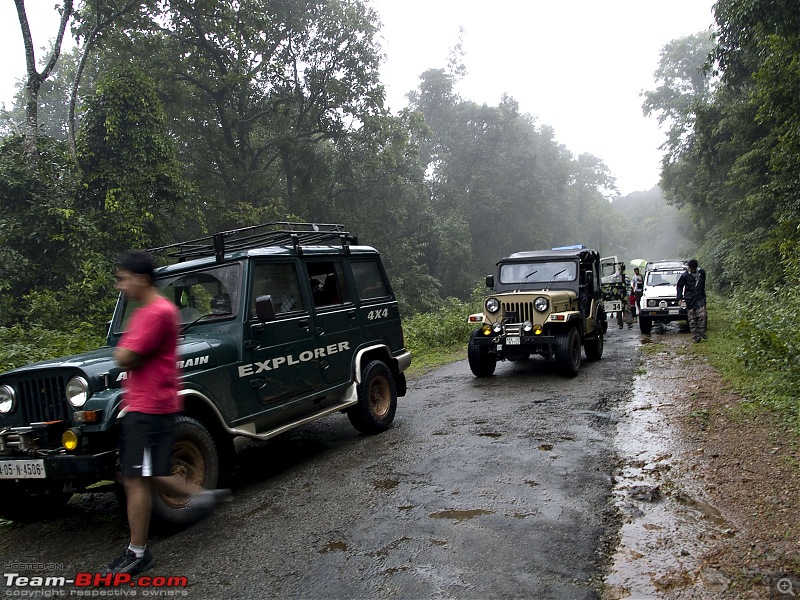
column 659, row 302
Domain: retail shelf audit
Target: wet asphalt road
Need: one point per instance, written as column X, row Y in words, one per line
column 483, row 488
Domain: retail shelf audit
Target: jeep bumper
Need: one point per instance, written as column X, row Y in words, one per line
column 661, row 314
column 499, row 344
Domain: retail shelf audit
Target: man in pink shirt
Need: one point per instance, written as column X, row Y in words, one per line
column 147, row 350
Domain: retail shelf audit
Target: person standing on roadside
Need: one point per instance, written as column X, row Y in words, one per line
column 147, row 351
column 637, row 287
column 691, row 287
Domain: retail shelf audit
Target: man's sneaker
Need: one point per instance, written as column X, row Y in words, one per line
column 202, row 503
column 128, row 562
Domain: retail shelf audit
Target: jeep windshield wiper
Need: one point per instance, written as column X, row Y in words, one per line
column 524, row 279
column 187, row 326
column 554, row 276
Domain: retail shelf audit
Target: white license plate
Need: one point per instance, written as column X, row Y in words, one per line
column 512, row 341
column 674, row 311
column 613, row 306
column 22, row 469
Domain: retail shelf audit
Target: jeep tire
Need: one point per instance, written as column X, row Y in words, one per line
column 481, row 363
column 194, row 457
column 594, row 345
column 645, row 324
column 377, row 399
column 568, row 352
column 28, row 501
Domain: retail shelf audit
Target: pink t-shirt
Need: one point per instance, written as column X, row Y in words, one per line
column 152, row 333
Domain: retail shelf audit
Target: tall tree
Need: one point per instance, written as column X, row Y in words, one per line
column 34, row 77
column 132, row 181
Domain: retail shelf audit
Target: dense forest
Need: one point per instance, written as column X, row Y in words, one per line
column 168, row 120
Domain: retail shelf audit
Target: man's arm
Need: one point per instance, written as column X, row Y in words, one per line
column 127, row 359
column 679, row 287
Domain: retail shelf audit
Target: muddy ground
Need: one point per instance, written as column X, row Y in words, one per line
column 709, row 492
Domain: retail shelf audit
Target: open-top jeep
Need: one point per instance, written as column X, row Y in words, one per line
column 546, row 302
column 282, row 323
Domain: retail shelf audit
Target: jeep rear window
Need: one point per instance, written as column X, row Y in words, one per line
column 369, row 280
column 213, row 293
column 538, row 272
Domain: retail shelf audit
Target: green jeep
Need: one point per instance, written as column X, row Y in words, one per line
column 545, row 302
column 282, row 324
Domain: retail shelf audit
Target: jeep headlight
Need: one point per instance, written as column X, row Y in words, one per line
column 497, row 327
column 492, row 305
column 527, row 327
column 8, row 399
column 77, row 391
column 541, row 304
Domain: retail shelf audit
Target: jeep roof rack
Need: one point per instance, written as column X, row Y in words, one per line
column 259, row 236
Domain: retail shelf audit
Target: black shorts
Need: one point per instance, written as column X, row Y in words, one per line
column 145, row 446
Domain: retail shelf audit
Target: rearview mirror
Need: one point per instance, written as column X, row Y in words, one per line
column 490, row 281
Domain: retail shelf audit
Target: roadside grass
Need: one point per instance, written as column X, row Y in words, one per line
column 756, row 370
column 438, row 337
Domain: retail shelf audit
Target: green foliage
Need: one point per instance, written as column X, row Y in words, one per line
column 754, row 340
column 132, row 183
column 20, row 345
column 443, row 329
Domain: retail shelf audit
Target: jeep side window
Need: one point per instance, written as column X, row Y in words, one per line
column 328, row 285
column 280, row 281
column 369, row 280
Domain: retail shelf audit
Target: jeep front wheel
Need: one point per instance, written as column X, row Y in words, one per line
column 645, row 324
column 194, row 457
column 377, row 399
column 481, row 363
column 32, row 501
column 568, row 352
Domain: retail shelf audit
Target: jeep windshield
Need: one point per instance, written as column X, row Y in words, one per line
column 656, row 278
column 538, row 273
column 207, row 295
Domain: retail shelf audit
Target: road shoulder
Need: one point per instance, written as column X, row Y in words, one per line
column 709, row 492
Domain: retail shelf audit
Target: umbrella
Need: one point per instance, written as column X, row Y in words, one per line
column 638, row 263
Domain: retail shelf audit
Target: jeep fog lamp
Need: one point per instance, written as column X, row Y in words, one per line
column 486, row 329
column 541, row 304
column 497, row 327
column 492, row 305
column 527, row 326
column 77, row 391
column 537, row 330
column 8, row 399
column 71, row 438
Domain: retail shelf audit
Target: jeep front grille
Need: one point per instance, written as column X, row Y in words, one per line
column 43, row 399
column 517, row 312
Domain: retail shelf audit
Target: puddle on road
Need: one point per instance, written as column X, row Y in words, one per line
column 664, row 527
column 460, row 515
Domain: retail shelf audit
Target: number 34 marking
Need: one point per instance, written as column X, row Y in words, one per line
column 378, row 314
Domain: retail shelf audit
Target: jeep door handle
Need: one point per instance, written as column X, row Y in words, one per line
column 351, row 314
column 319, row 330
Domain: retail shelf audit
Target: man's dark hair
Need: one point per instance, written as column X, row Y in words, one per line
column 137, row 261
column 692, row 263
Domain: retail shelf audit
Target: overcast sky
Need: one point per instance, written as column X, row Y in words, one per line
column 578, row 66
